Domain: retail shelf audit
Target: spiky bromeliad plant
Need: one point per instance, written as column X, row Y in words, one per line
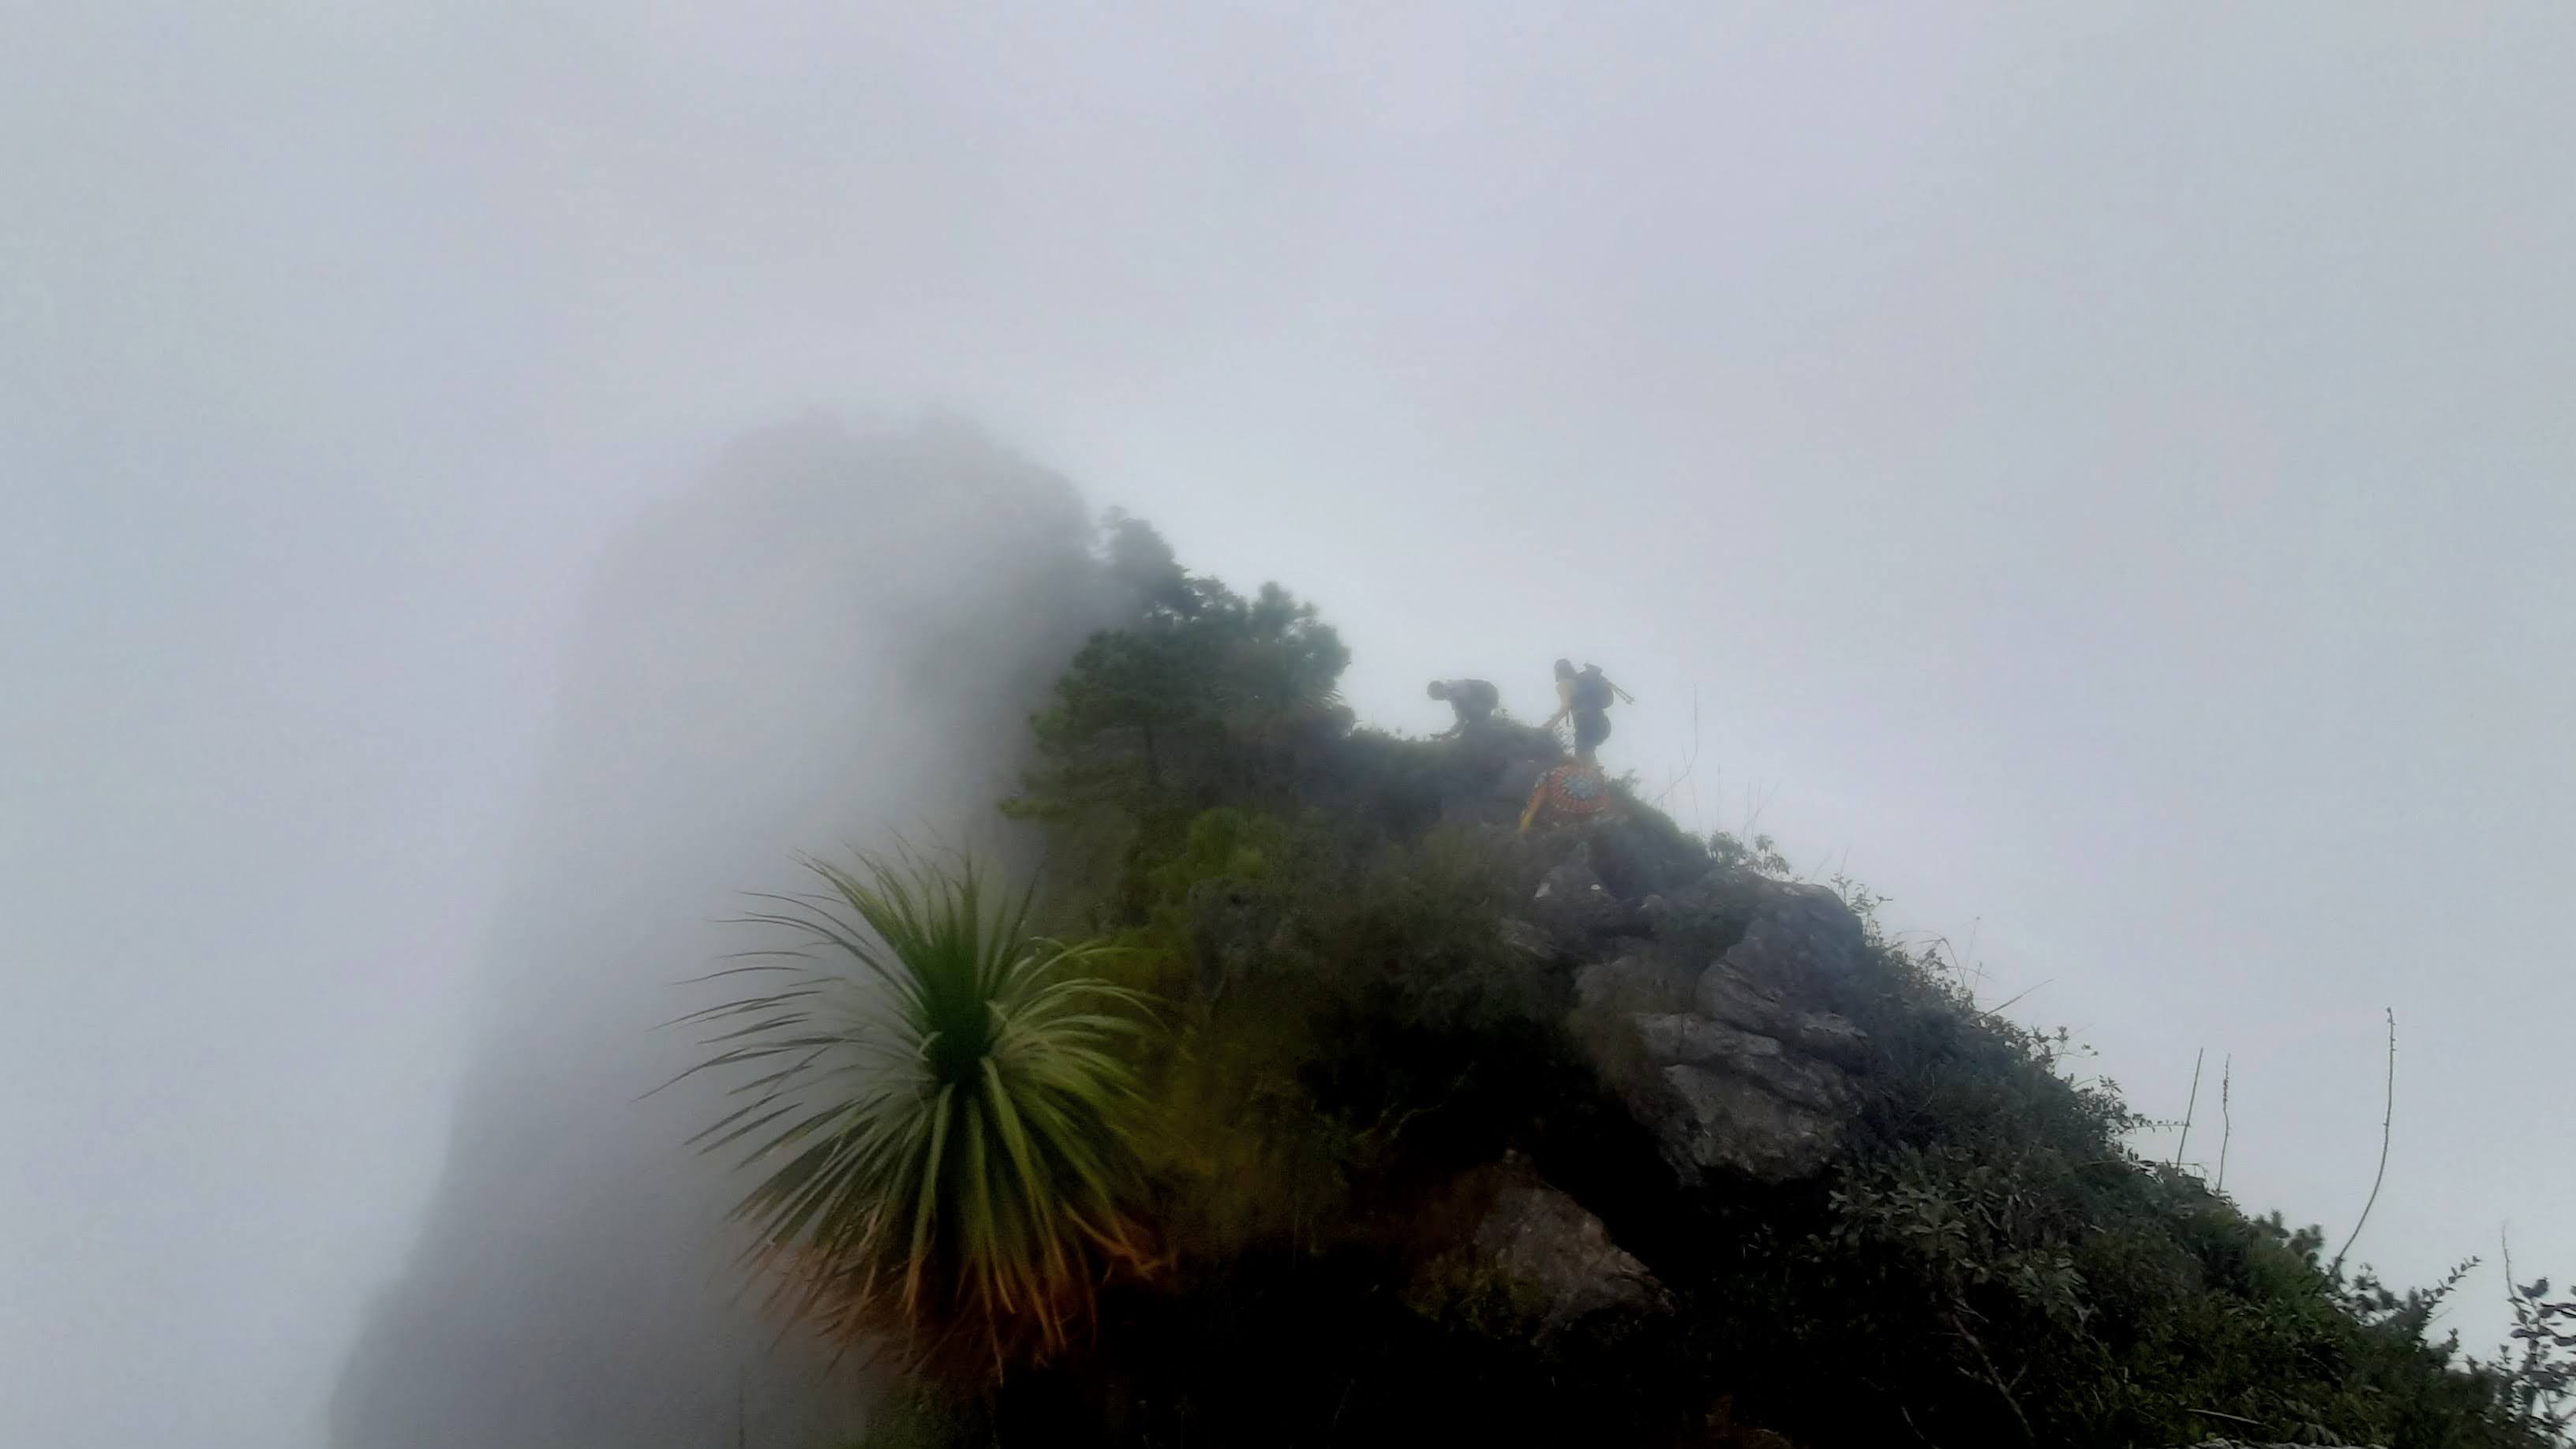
column 943, row 1112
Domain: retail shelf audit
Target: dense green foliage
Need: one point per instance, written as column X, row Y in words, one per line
column 1204, row 691
column 943, row 1113
column 1363, row 1045
column 1996, row 1262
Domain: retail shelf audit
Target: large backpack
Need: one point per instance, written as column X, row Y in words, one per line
column 1591, row 691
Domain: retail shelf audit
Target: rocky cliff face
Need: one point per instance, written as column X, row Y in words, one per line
column 1711, row 1000
column 1542, row 1242
column 1704, row 993
column 1705, row 997
column 1707, row 1007
column 1747, row 1070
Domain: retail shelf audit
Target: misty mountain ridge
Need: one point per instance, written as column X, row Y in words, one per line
column 1463, row 1116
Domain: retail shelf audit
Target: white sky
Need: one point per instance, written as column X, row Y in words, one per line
column 2107, row 469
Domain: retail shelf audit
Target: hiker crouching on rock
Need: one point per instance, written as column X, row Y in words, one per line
column 1474, row 701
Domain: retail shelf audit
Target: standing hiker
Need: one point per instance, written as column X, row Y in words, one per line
column 1585, row 698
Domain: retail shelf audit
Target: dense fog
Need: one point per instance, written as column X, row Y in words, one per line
column 829, row 644
column 2101, row 474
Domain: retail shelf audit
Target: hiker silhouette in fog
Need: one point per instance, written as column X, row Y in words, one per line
column 1474, row 701
column 1586, row 699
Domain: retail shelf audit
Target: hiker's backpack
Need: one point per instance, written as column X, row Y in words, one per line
column 1591, row 691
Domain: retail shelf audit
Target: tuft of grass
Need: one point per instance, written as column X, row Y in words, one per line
column 942, row 1111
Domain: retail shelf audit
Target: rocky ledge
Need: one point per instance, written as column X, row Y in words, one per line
column 1728, row 1051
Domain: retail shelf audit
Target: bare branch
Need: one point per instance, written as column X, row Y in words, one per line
column 2190, row 1107
column 2386, row 1117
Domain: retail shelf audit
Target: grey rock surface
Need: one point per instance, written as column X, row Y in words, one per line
column 1646, row 978
column 1798, row 932
column 1546, row 1243
column 1735, row 1063
column 1573, row 906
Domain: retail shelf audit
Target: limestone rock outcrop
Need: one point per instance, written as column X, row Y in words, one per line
column 1733, row 1059
column 1547, row 1245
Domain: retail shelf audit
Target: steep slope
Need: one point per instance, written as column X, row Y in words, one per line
column 1602, row 1133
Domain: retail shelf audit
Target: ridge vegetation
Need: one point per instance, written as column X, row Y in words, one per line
column 1335, row 1128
